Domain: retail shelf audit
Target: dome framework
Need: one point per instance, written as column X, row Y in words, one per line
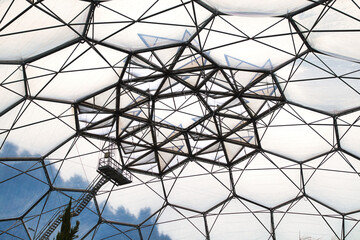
column 233, row 119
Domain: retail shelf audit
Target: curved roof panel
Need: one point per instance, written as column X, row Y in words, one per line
column 180, row 119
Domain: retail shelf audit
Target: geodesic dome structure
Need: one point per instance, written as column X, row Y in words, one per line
column 234, row 119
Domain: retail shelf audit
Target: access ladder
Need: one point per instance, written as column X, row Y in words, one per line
column 55, row 221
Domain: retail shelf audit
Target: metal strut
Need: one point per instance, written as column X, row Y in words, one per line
column 85, row 198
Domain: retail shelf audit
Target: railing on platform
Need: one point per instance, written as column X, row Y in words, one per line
column 110, row 168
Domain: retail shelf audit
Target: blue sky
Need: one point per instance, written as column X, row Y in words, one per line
column 23, row 183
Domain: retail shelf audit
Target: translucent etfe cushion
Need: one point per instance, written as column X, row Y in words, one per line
column 259, row 7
